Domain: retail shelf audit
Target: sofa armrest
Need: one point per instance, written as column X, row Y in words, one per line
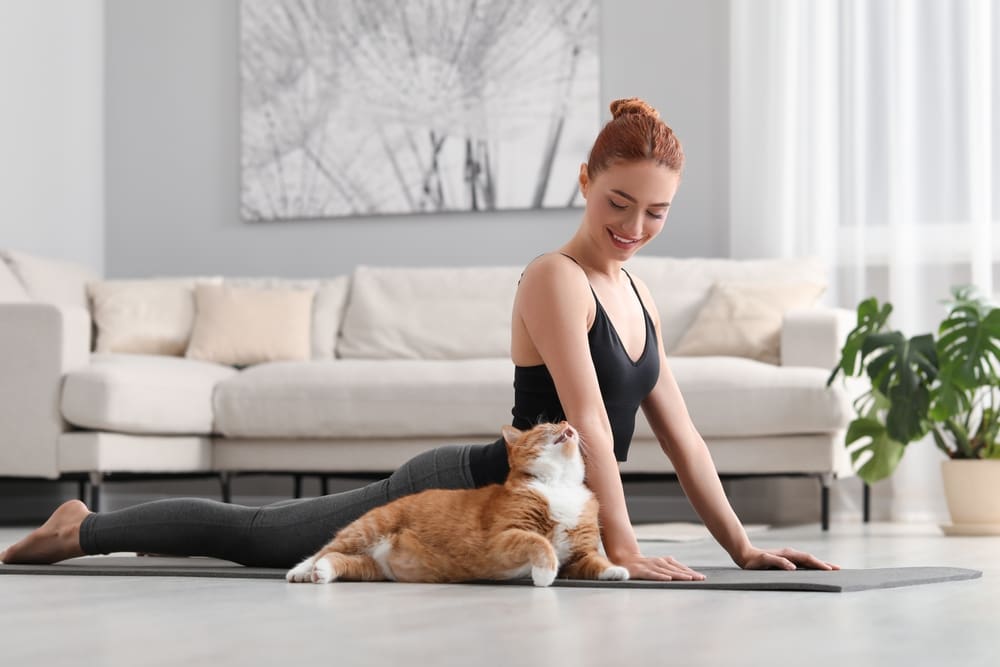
column 39, row 344
column 815, row 336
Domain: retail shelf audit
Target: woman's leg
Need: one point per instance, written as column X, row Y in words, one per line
column 277, row 535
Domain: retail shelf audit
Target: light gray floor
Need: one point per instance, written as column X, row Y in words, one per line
column 173, row 621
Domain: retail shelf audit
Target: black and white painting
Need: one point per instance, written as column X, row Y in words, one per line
column 371, row 107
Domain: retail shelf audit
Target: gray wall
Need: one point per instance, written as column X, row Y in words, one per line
column 172, row 109
column 51, row 128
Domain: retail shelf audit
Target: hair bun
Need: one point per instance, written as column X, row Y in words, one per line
column 632, row 105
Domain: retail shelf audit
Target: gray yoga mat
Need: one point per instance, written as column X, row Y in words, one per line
column 729, row 578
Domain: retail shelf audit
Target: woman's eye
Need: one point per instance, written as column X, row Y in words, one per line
column 655, row 216
column 616, row 205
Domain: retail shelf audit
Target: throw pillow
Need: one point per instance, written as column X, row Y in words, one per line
column 151, row 316
column 240, row 326
column 327, row 310
column 50, row 280
column 744, row 320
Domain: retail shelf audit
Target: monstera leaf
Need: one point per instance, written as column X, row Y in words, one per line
column 885, row 451
column 871, row 319
column 969, row 353
column 902, row 370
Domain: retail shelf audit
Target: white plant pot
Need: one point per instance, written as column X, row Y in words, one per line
column 972, row 490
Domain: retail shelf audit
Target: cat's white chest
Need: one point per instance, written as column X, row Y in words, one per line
column 566, row 504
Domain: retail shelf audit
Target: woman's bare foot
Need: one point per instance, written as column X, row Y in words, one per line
column 56, row 539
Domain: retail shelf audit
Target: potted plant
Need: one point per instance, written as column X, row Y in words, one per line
column 947, row 387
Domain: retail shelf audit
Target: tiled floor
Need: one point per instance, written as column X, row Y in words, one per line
column 173, row 621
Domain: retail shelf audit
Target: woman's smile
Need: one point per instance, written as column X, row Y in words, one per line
column 623, row 242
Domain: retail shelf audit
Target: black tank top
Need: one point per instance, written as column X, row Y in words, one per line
column 624, row 384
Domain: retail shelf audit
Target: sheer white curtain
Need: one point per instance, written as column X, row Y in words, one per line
column 866, row 132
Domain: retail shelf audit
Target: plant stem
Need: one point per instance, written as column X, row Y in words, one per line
column 961, row 438
column 940, row 441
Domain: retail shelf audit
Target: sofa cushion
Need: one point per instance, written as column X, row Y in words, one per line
column 681, row 286
column 244, row 325
column 152, row 316
column 744, row 320
column 136, row 393
column 50, row 280
column 11, row 289
column 733, row 397
column 429, row 313
column 364, row 398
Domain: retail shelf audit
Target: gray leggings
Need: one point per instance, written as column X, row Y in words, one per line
column 276, row 535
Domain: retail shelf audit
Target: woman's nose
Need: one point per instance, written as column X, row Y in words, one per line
column 634, row 224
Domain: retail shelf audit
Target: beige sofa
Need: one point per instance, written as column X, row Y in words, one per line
column 399, row 360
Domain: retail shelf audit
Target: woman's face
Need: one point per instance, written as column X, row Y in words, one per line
column 627, row 204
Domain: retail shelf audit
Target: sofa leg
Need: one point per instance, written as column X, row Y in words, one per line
column 866, row 504
column 298, row 486
column 81, row 490
column 825, row 481
column 226, row 488
column 95, row 479
column 324, row 485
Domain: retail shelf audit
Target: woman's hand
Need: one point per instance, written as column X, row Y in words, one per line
column 781, row 559
column 661, row 569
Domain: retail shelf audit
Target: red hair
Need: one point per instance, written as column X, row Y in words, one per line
column 635, row 132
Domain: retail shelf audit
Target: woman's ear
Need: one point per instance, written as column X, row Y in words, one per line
column 584, row 180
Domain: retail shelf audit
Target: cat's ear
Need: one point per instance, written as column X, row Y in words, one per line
column 510, row 434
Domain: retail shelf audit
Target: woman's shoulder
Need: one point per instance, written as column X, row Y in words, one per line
column 550, row 276
column 553, row 266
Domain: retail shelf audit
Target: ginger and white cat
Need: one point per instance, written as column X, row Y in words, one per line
column 541, row 522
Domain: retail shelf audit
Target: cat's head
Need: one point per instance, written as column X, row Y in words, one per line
column 547, row 451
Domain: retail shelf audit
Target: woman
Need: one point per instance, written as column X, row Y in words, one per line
column 587, row 347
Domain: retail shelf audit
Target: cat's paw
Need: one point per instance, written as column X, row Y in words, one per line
column 301, row 573
column 323, row 572
column 543, row 576
column 614, row 573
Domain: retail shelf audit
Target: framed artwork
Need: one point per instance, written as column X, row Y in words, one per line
column 373, row 107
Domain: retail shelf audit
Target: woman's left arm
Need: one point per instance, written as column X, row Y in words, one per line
column 671, row 424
